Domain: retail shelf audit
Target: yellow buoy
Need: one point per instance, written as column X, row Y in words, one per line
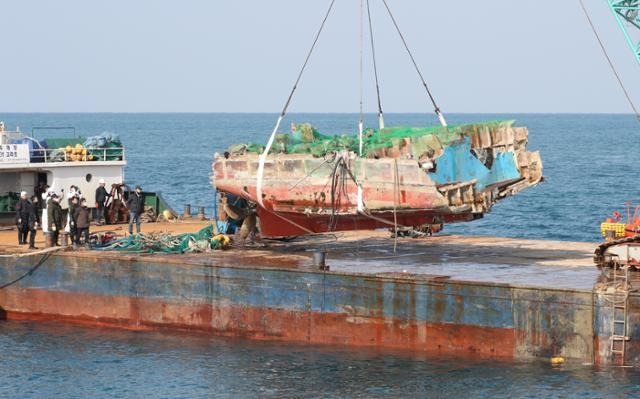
column 67, row 149
column 84, row 151
column 168, row 215
column 78, row 146
column 557, row 360
column 221, row 241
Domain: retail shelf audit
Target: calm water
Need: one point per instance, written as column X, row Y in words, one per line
column 590, row 164
column 590, row 161
column 51, row 360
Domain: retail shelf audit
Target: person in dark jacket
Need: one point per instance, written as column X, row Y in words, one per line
column 54, row 217
column 81, row 216
column 135, row 203
column 34, row 220
column 38, row 191
column 101, row 201
column 22, row 218
column 73, row 205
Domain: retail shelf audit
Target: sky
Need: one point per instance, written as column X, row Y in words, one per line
column 490, row 56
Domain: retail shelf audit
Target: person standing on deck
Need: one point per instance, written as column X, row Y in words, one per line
column 81, row 216
column 101, row 200
column 135, row 203
column 46, row 195
column 22, row 218
column 34, row 220
column 54, row 217
column 71, row 218
column 40, row 189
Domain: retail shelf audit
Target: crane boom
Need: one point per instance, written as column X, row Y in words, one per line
column 627, row 13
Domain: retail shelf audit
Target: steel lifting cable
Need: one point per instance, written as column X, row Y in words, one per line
column 396, row 189
column 415, row 65
column 264, row 154
column 361, row 121
column 606, row 55
column 375, row 68
column 306, row 61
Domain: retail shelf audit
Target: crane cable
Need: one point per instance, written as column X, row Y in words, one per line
column 361, row 120
column 375, row 69
column 443, row 122
column 264, row 154
column 606, row 54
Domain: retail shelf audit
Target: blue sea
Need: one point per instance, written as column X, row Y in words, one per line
column 590, row 167
column 589, row 160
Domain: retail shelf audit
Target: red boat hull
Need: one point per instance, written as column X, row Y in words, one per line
column 283, row 224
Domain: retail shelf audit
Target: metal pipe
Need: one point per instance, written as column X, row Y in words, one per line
column 320, row 260
column 49, row 240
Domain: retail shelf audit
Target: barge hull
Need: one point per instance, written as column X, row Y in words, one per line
column 277, row 295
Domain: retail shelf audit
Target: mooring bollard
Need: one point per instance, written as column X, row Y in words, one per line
column 320, row 260
column 201, row 215
column 64, row 242
column 187, row 211
column 48, row 240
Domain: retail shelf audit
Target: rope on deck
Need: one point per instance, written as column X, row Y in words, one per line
column 25, row 254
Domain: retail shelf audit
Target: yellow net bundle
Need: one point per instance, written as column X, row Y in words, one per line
column 618, row 228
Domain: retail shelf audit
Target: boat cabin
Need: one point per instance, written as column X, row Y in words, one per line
column 26, row 162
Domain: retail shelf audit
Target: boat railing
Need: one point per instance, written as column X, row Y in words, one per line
column 91, row 154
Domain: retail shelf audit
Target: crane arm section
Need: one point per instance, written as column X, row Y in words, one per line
column 627, row 13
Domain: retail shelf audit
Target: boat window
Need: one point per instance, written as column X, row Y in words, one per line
column 88, row 177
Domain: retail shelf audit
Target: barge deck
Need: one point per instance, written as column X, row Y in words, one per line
column 485, row 296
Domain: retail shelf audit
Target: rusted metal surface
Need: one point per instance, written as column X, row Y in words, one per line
column 464, row 180
column 9, row 239
column 550, row 306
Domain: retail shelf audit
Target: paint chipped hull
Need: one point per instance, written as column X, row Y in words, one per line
column 276, row 295
column 458, row 182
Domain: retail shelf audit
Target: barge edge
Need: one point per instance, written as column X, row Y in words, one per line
column 422, row 313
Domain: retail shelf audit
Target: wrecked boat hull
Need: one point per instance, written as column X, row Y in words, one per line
column 282, row 224
column 419, row 179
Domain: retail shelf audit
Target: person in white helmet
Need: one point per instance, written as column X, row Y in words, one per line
column 101, row 200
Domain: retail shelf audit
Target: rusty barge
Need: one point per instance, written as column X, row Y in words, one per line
column 481, row 296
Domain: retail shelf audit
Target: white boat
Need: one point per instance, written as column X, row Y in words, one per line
column 26, row 162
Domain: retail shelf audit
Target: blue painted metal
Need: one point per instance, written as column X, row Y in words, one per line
column 458, row 164
column 544, row 322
